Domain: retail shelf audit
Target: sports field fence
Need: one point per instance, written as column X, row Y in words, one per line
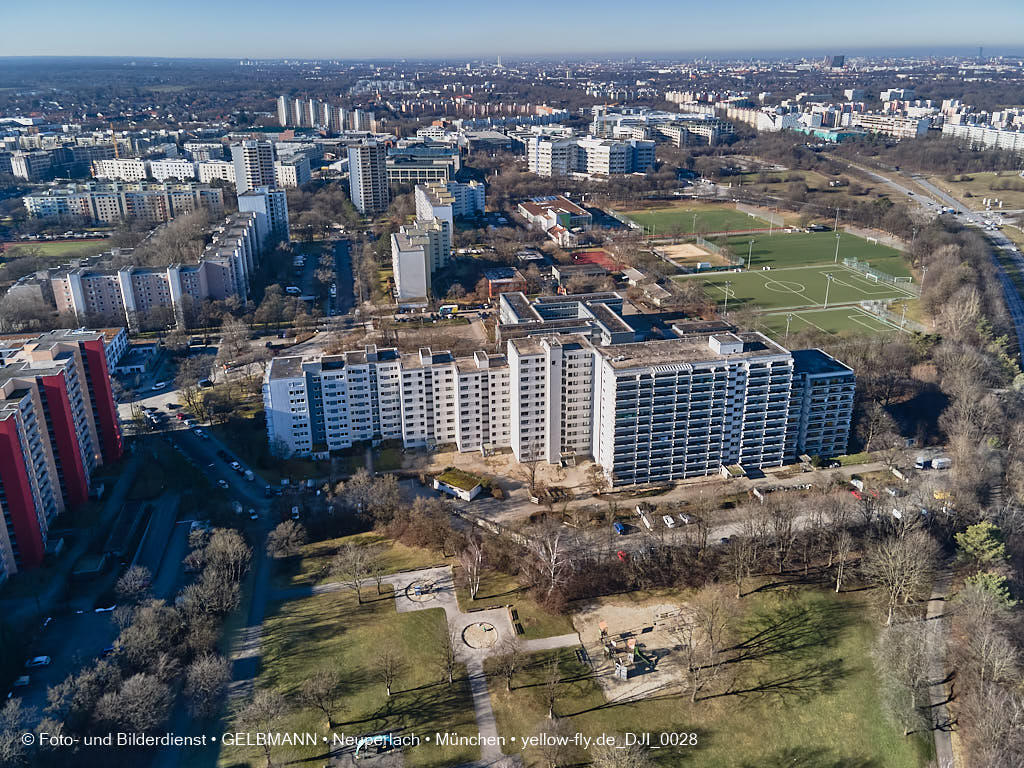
column 905, row 283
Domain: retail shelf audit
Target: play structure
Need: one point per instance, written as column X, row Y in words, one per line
column 420, row 591
column 626, row 653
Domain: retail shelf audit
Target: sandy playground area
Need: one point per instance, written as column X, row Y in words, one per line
column 649, row 624
column 689, row 255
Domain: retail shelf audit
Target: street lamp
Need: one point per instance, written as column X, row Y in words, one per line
column 789, row 319
column 728, row 290
column 903, row 316
column 750, row 250
column 829, row 277
column 837, row 247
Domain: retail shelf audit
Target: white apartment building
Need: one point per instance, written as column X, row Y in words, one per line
column 468, row 199
column 254, row 165
column 368, row 178
column 666, row 410
column 893, row 125
column 417, row 252
column 647, row 412
column 109, row 202
column 551, row 157
column 434, row 201
column 123, row 169
column 208, row 170
column 204, row 150
column 548, row 156
column 410, row 268
column 292, row 172
column 986, row 136
column 172, row 168
column 271, row 208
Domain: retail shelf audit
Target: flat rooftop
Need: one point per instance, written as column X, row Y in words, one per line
column 814, row 361
column 285, row 368
column 688, row 349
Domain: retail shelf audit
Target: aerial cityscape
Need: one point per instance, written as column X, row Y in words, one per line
column 469, row 388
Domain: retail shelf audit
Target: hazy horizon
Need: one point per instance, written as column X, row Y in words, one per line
column 460, row 30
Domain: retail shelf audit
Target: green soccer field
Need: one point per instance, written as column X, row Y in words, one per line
column 794, row 287
column 679, row 220
column 831, row 321
column 784, row 249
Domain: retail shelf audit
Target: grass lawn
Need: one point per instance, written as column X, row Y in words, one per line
column 980, row 186
column 498, row 589
column 794, row 249
column 850, row 459
column 387, row 459
column 833, row 321
column 836, row 719
column 458, row 478
column 678, row 218
column 793, row 287
column 313, row 564
column 55, row 248
column 333, row 631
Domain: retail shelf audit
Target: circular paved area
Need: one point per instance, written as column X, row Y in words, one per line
column 420, row 591
column 482, row 634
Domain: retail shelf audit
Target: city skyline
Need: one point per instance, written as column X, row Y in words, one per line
column 466, row 30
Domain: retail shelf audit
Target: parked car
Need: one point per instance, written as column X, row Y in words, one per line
column 253, row 514
column 622, row 555
column 619, row 528
column 684, row 519
column 223, row 484
column 38, row 661
column 669, row 522
column 22, row 681
column 160, row 385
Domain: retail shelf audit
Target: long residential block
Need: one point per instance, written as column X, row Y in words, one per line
column 647, row 412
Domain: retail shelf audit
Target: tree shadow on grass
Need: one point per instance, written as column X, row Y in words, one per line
column 809, row 757
column 792, row 630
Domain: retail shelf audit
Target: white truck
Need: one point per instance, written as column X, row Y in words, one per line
column 943, row 462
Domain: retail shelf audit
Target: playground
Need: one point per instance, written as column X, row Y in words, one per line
column 629, row 645
column 796, row 287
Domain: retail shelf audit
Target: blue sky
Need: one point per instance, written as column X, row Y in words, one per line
column 472, row 28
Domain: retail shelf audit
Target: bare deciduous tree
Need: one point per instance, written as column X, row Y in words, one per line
column 551, row 551
column 322, row 691
column 389, row 666
column 352, row 565
column 472, row 558
column 902, row 567
column 843, row 548
column 206, row 684
column 703, row 635
column 447, row 651
column 14, row 720
column 134, row 583
column 620, row 755
column 262, row 715
column 286, row 539
column 508, row 659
